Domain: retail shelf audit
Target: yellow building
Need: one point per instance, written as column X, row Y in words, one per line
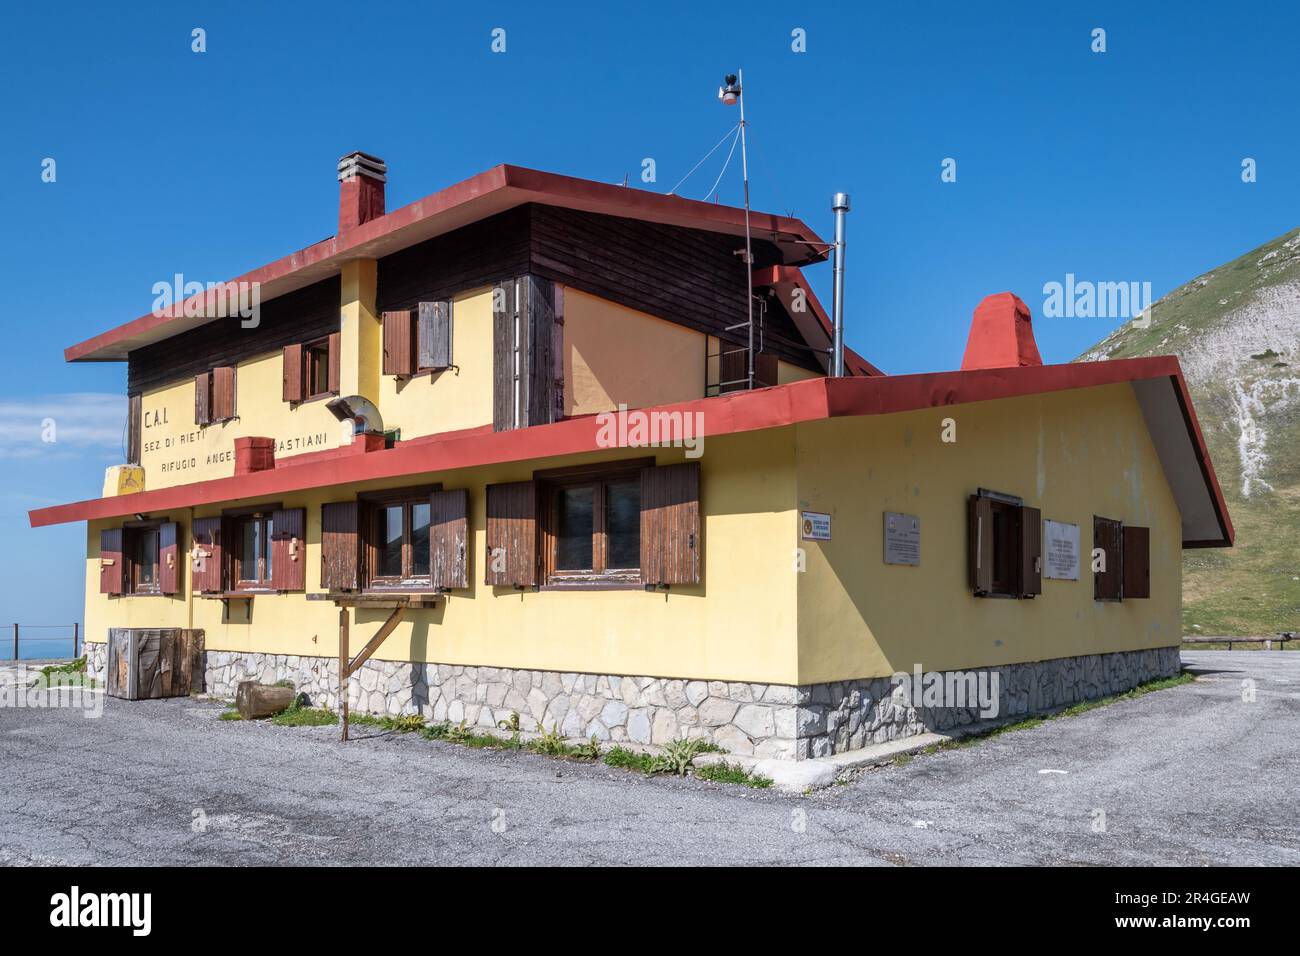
column 512, row 429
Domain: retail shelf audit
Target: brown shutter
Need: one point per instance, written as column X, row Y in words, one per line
column 504, row 415
column 334, row 359
column 733, row 368
column 434, row 334
column 511, row 559
column 112, row 567
column 289, row 549
column 670, row 524
column 134, row 421
column 399, row 350
column 1137, row 562
column 293, row 373
column 339, row 546
column 169, row 558
column 979, row 537
column 449, row 538
column 1108, row 535
column 765, row 370
column 1031, row 551
column 206, row 563
column 202, row 393
column 223, row 393
column 539, row 404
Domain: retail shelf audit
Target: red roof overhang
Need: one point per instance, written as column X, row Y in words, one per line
column 497, row 190
column 1158, row 383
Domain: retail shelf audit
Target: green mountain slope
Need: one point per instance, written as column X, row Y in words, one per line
column 1236, row 331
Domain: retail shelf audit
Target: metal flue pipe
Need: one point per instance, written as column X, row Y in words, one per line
column 840, row 205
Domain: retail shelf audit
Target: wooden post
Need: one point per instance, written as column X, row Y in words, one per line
column 343, row 670
column 76, row 634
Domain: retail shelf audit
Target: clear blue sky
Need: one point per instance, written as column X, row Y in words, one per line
column 1122, row 166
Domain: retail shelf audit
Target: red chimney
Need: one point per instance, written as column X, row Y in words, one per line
column 361, row 189
column 1002, row 335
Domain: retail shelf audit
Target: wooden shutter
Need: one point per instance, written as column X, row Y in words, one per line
column 112, row 566
column 202, row 395
column 134, row 420
column 449, row 538
column 1137, row 562
column 539, row 404
column 334, row 358
column 979, row 537
column 765, row 370
column 293, row 375
column 289, row 549
column 206, row 563
column 399, row 350
column 1108, row 535
column 670, row 524
column 1031, row 551
column 223, row 393
column 505, row 406
column 434, row 335
column 169, row 559
column 340, row 547
column 511, row 559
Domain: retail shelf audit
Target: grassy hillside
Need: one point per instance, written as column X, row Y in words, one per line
column 1237, row 332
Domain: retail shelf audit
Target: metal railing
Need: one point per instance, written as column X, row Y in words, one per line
column 55, row 643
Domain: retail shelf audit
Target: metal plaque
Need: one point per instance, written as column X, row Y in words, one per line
column 902, row 539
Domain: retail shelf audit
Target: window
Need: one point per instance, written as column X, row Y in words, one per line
column 418, row 340
column 1005, row 546
column 214, row 396
column 144, row 556
column 311, row 369
column 397, row 552
column 592, row 527
column 1126, row 569
column 139, row 558
column 254, row 558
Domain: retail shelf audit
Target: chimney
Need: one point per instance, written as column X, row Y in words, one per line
column 1001, row 335
column 361, row 189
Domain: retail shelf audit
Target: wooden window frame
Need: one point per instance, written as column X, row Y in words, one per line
column 133, row 536
column 239, row 528
column 599, row 577
column 1012, row 577
column 309, row 392
column 372, row 506
column 210, row 384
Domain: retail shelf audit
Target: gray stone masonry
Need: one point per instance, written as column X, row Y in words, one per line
column 761, row 720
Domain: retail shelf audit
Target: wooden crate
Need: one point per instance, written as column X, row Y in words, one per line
column 148, row 663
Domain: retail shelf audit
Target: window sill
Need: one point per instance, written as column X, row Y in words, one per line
column 594, row 584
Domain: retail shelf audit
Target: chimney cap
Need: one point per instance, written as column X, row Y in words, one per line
column 358, row 163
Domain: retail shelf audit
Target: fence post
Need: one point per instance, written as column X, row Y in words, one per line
column 76, row 633
column 15, row 640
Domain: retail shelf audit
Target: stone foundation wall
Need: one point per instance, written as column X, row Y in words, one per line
column 762, row 720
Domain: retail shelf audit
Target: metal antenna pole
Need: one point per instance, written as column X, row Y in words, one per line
column 749, row 256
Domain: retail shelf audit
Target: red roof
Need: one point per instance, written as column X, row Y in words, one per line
column 1157, row 382
column 500, row 188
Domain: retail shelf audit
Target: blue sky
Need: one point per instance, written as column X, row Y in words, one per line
column 1115, row 166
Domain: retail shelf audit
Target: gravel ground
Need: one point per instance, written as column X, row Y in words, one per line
column 1193, row 775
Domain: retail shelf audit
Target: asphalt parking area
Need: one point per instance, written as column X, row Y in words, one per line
column 1193, row 775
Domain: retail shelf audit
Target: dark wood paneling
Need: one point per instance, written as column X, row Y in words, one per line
column 687, row 276
column 398, row 342
column 1108, row 534
column 476, row 255
column 111, row 561
column 133, row 423
column 309, row 313
column 1137, row 562
column 1031, row 551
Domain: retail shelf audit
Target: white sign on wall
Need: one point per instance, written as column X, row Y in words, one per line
column 902, row 539
column 1060, row 551
column 815, row 526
